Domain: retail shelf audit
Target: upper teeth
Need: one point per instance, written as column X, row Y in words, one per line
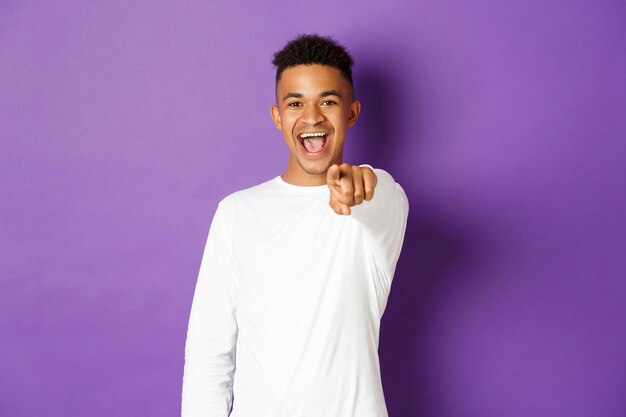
column 309, row 135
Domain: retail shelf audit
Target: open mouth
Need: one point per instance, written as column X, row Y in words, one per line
column 313, row 142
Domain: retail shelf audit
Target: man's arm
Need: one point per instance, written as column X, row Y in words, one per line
column 212, row 332
column 373, row 198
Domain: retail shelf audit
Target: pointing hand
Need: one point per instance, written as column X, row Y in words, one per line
column 349, row 185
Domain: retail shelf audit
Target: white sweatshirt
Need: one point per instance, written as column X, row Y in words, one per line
column 286, row 312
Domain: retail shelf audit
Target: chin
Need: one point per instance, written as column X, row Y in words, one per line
column 315, row 168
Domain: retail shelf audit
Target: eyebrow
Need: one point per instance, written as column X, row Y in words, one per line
column 292, row 95
column 330, row 93
column 324, row 93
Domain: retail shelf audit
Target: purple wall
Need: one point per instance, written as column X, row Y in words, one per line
column 123, row 123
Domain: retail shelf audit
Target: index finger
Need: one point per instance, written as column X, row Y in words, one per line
column 332, row 175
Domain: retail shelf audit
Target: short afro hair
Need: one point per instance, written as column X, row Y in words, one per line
column 314, row 49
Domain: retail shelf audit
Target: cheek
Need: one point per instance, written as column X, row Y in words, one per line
column 340, row 123
column 340, row 117
column 288, row 122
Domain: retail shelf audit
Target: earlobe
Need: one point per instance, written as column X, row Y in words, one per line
column 276, row 117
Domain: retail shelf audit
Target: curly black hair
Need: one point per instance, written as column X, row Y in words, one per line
column 314, row 49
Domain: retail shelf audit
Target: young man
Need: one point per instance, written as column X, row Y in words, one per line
column 297, row 270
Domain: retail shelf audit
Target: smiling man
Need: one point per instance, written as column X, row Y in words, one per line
column 297, row 270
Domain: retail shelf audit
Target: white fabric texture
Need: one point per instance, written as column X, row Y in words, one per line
column 286, row 312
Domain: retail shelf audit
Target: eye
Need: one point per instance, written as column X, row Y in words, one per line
column 294, row 104
column 328, row 102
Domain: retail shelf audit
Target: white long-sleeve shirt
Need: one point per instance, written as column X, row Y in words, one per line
column 286, row 312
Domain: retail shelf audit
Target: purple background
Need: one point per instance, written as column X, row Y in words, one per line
column 123, row 123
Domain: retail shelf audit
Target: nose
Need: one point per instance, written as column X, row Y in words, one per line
column 312, row 115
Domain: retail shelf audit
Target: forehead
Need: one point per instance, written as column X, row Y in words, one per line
column 311, row 78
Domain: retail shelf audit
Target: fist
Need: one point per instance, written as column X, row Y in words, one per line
column 349, row 185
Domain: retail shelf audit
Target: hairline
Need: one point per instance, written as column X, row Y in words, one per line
column 280, row 75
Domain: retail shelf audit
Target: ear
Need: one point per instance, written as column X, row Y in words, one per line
column 355, row 110
column 276, row 117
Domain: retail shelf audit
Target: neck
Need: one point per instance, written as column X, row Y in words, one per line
column 296, row 175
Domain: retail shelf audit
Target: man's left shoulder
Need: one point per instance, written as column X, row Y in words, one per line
column 386, row 182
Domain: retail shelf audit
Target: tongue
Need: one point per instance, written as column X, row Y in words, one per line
column 313, row 144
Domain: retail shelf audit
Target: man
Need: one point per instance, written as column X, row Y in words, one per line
column 296, row 271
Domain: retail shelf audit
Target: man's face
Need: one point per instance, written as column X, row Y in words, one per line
column 314, row 107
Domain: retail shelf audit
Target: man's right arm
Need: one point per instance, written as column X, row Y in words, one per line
column 212, row 332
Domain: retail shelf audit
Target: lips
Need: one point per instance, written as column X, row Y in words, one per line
column 313, row 143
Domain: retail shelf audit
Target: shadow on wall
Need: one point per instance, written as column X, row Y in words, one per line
column 430, row 247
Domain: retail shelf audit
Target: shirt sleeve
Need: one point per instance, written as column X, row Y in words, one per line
column 212, row 331
column 383, row 220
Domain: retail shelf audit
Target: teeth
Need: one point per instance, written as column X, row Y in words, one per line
column 311, row 135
